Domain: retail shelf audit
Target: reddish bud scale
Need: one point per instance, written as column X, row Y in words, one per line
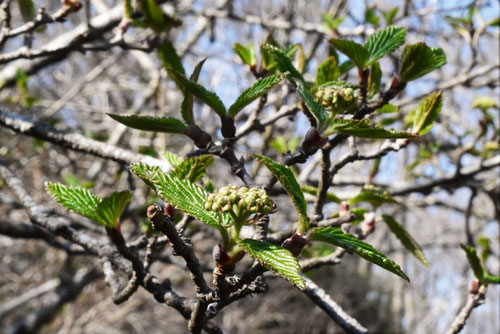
column 313, row 141
column 295, row 243
column 220, row 256
column 474, row 287
column 169, row 210
column 345, row 209
column 74, row 6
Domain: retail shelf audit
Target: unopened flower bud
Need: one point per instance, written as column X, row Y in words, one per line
column 337, row 99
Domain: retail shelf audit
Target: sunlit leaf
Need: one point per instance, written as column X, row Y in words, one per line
column 76, row 199
column 336, row 237
column 247, row 54
column 183, row 194
column 193, row 169
column 354, row 51
column 327, row 71
column 261, row 87
column 275, row 258
column 365, row 129
column 209, row 98
column 110, row 208
column 317, row 109
column 289, row 182
column 283, row 61
column 384, row 41
column 427, row 112
column 374, row 80
column 418, row 59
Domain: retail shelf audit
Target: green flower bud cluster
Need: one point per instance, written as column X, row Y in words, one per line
column 337, row 99
column 240, row 202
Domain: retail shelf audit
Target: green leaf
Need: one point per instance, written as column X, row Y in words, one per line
column 374, row 195
column 110, row 208
column 484, row 242
column 267, row 59
column 187, row 103
column 384, row 41
column 247, row 54
column 330, row 197
column 317, row 109
column 406, row 239
column 173, row 159
column 149, row 123
column 279, row 144
column 275, row 258
column 289, row 182
column 371, row 17
column 153, row 15
column 27, row 9
column 105, row 211
column 193, row 169
column 354, row 51
column 418, row 59
column 427, row 112
column 494, row 22
column 474, row 261
column 170, row 60
column 336, row 237
column 128, row 9
column 374, row 79
column 74, row 181
column 76, row 199
column 346, row 66
column 209, row 98
column 283, row 61
column 184, row 194
column 387, row 109
column 327, row 71
column 389, row 15
column 330, row 22
column 365, row 129
column 145, row 172
column 257, row 90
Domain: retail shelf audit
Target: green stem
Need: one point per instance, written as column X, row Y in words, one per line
column 236, row 252
column 303, row 225
column 225, row 236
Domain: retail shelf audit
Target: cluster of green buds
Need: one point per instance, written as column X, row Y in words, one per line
column 337, row 99
column 240, row 202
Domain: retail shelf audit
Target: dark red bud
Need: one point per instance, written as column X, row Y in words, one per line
column 169, row 210
column 295, row 243
column 313, row 141
column 74, row 6
column 220, row 256
column 395, row 82
column 474, row 287
column 344, row 209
